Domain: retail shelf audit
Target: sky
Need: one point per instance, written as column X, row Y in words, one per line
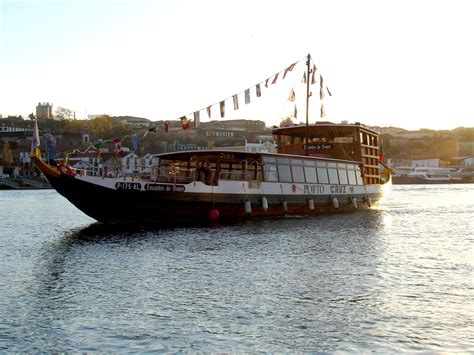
column 406, row 64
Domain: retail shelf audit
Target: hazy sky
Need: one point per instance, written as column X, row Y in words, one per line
column 402, row 63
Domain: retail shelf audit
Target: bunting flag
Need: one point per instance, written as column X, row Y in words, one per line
column 313, row 75
column 304, row 78
column 292, row 96
column 275, row 78
column 184, row 123
column 99, row 144
column 266, row 82
column 323, row 111
column 209, row 111
column 290, row 68
column 295, row 112
column 118, row 147
column 35, row 141
column 258, row 90
column 329, row 92
column 197, row 119
column 222, row 107
column 235, row 99
column 247, row 96
column 321, row 86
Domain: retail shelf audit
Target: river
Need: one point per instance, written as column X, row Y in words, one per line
column 398, row 278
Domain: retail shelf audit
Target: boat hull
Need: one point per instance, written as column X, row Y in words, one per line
column 112, row 206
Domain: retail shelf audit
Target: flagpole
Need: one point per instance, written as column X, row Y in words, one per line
column 307, row 106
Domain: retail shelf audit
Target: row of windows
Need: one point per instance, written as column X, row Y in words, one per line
column 310, row 171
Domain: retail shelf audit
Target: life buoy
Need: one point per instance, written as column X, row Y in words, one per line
column 66, row 169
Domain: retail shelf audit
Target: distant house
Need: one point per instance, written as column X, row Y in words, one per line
column 128, row 164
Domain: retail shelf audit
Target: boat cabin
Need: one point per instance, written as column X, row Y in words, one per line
column 353, row 142
column 211, row 167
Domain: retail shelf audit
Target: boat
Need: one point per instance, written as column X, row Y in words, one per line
column 318, row 168
column 431, row 175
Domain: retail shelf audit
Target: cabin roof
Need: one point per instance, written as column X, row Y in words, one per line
column 184, row 155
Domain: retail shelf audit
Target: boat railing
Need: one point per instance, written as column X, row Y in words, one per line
column 236, row 175
column 174, row 175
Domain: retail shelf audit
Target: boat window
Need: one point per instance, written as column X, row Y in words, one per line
column 350, row 166
column 359, row 176
column 323, row 175
column 333, row 176
column 310, row 173
column 269, row 160
column 332, row 165
column 296, row 162
column 284, row 173
column 309, row 163
column 342, row 176
column 283, row 161
column 341, row 166
column 321, row 163
column 298, row 174
column 352, row 177
column 271, row 172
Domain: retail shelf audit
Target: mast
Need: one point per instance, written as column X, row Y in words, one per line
column 307, row 104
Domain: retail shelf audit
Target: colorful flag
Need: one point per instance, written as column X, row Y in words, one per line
column 258, row 90
column 222, row 106
column 99, row 144
column 209, row 111
column 35, row 142
column 247, row 96
column 321, row 86
column 118, row 147
column 184, row 123
column 235, row 99
column 197, row 119
column 275, row 78
column 290, row 68
column 304, row 78
column 292, row 96
column 313, row 75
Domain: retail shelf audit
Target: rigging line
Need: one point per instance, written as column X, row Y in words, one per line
column 227, row 98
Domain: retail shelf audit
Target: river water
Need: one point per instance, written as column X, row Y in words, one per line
column 396, row 278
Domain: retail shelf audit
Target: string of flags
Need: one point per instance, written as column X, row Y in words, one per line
column 257, row 88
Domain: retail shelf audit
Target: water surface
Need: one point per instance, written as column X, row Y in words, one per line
column 397, row 278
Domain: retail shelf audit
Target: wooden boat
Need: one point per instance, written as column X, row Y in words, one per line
column 320, row 168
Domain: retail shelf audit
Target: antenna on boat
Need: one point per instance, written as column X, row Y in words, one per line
column 307, row 103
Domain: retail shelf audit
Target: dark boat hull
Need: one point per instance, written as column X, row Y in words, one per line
column 127, row 206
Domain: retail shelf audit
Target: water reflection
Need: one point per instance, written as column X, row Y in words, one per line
column 291, row 280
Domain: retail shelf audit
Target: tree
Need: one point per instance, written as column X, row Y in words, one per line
column 7, row 157
column 286, row 122
column 31, row 116
column 62, row 113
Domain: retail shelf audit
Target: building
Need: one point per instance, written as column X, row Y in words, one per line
column 44, row 110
